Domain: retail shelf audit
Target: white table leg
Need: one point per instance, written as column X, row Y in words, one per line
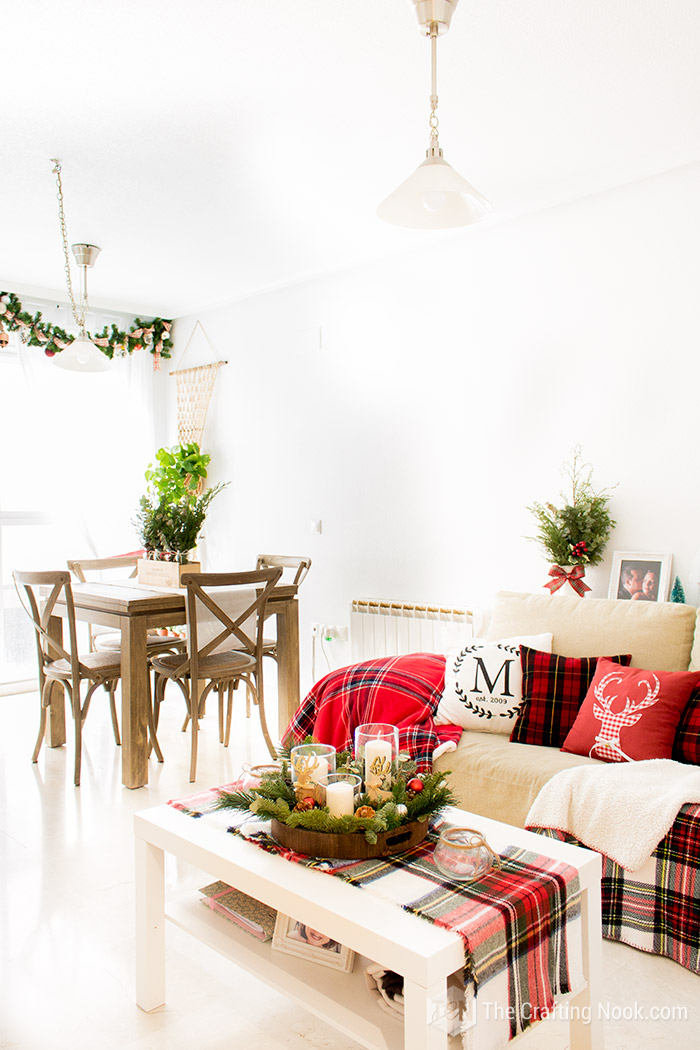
column 424, row 1016
column 585, row 1022
column 150, row 925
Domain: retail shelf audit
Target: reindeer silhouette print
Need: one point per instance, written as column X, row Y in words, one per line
column 607, row 743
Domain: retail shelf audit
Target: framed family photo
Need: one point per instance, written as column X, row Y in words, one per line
column 296, row 938
column 640, row 577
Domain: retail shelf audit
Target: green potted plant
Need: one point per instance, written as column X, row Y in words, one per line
column 171, row 514
column 575, row 534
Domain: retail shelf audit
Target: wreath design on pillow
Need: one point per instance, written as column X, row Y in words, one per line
column 470, row 705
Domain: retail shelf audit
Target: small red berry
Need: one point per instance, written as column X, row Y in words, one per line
column 415, row 785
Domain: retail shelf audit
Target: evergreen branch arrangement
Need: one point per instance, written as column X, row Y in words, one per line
column 154, row 335
column 413, row 797
column 577, row 532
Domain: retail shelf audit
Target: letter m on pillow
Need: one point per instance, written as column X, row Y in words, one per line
column 480, row 666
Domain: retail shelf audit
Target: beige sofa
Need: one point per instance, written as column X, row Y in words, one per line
column 496, row 778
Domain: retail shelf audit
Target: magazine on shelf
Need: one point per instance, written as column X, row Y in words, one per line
column 256, row 918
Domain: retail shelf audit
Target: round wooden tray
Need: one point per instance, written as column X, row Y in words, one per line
column 350, row 846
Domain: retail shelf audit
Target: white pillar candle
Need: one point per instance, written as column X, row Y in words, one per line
column 340, row 799
column 377, row 766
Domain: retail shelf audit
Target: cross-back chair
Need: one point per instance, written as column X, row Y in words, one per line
column 123, row 567
column 225, row 615
column 39, row 594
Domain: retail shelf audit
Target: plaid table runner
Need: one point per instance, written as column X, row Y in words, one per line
column 657, row 907
column 520, row 924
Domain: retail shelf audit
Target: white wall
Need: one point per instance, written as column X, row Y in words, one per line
column 450, row 386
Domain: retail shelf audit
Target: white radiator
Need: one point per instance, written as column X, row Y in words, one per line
column 388, row 628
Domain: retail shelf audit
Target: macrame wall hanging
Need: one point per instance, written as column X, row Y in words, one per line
column 195, row 387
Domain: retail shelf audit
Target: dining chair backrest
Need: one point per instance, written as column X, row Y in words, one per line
column 238, row 624
column 80, row 566
column 42, row 592
column 300, row 564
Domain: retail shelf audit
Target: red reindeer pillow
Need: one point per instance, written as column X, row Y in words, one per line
column 630, row 714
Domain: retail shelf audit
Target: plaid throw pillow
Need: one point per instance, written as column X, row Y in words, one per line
column 686, row 745
column 554, row 688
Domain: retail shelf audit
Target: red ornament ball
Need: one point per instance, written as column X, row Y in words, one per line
column 50, row 353
column 415, row 785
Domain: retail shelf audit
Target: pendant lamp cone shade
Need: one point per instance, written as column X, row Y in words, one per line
column 82, row 356
column 434, row 197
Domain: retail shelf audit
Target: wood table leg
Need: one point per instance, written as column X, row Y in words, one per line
column 287, row 662
column 150, row 925
column 135, row 699
column 57, row 711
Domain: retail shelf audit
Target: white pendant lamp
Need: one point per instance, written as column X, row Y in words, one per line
column 81, row 355
column 435, row 196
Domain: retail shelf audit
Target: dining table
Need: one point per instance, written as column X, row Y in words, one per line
column 134, row 609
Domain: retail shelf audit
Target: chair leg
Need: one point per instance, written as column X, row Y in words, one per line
column 44, row 702
column 229, row 711
column 78, row 716
column 152, row 725
column 257, row 689
column 193, row 700
column 111, row 688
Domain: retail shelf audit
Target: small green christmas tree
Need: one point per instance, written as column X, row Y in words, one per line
column 677, row 592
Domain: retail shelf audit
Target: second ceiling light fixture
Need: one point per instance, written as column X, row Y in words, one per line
column 435, row 196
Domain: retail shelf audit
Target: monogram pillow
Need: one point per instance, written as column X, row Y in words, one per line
column 630, row 714
column 483, row 683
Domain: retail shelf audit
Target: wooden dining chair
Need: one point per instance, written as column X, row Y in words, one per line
column 39, row 594
column 225, row 616
column 121, row 567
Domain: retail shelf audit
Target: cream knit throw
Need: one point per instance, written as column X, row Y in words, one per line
column 622, row 809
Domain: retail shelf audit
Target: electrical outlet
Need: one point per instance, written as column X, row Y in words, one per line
column 339, row 633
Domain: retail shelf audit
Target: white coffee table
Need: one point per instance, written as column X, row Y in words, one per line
column 427, row 956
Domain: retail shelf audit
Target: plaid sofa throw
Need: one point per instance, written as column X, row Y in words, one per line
column 401, row 690
column 657, row 907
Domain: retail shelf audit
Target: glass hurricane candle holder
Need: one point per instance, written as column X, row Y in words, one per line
column 376, row 752
column 341, row 790
column 311, row 764
column 464, row 855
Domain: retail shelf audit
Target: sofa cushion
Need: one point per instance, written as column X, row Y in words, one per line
column 630, row 714
column 554, row 687
column 659, row 635
column 686, row 745
column 483, row 684
column 495, row 778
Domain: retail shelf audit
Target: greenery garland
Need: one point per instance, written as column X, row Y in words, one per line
column 155, row 334
column 275, row 799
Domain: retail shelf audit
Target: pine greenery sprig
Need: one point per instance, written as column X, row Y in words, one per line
column 275, row 799
column 576, row 533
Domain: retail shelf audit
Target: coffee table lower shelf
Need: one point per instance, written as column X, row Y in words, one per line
column 341, row 999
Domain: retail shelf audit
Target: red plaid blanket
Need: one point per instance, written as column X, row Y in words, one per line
column 401, row 690
column 657, row 907
column 514, row 922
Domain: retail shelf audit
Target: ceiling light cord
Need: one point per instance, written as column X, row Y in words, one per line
column 79, row 315
column 434, row 145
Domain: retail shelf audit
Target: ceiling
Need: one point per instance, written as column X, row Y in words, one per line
column 220, row 148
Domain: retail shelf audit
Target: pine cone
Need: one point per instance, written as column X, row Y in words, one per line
column 364, row 811
column 304, row 805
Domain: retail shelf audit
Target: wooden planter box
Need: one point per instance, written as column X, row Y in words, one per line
column 164, row 573
column 352, row 846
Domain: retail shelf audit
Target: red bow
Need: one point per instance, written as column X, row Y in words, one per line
column 560, row 577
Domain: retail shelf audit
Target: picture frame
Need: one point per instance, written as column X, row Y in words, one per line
column 300, row 939
column 640, row 576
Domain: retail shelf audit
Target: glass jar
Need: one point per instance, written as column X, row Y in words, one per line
column 464, row 855
column 376, row 752
column 311, row 764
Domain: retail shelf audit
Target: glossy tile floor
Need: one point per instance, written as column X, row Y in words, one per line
column 66, row 915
